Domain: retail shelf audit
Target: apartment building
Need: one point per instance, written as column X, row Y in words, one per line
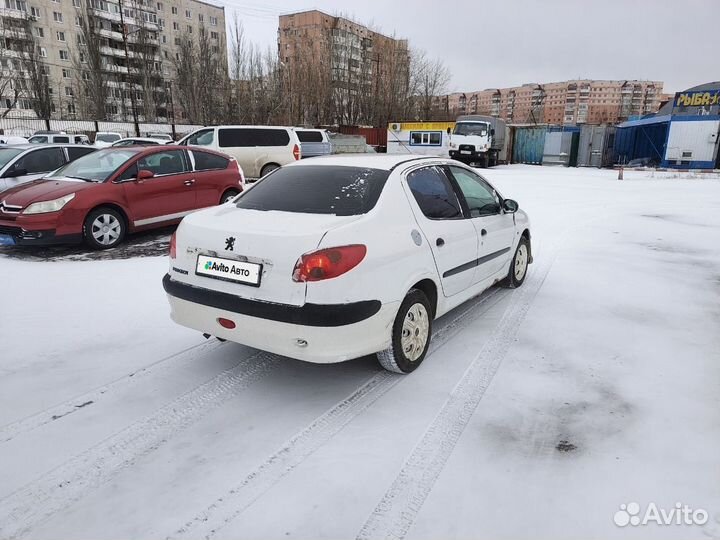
column 353, row 57
column 128, row 57
column 567, row 102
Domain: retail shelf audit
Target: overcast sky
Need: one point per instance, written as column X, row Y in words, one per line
column 510, row 42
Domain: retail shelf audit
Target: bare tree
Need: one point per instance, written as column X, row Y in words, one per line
column 201, row 78
column 145, row 48
column 37, row 80
column 90, row 73
column 430, row 78
column 11, row 80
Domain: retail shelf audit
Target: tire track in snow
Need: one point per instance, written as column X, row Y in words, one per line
column 9, row 431
column 318, row 433
column 399, row 507
column 57, row 489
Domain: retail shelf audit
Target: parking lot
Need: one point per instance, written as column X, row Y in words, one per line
column 593, row 385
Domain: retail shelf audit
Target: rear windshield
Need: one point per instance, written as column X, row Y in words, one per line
column 310, row 136
column 317, row 189
column 107, row 137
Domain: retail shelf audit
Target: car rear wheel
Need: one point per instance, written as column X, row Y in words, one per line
column 518, row 265
column 410, row 335
column 104, row 228
column 267, row 169
column 229, row 195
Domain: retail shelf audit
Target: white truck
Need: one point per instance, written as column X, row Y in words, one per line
column 477, row 139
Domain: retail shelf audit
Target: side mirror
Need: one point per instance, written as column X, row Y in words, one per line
column 14, row 173
column 492, row 131
column 144, row 174
column 510, row 206
column 449, row 131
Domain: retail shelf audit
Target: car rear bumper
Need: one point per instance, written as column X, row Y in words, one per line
column 320, row 333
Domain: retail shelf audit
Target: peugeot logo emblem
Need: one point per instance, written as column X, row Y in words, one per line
column 230, row 243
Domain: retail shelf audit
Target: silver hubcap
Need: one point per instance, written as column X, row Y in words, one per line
column 521, row 258
column 229, row 197
column 415, row 332
column 106, row 229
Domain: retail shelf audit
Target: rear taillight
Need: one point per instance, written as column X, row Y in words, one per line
column 173, row 246
column 328, row 263
column 239, row 171
column 296, row 152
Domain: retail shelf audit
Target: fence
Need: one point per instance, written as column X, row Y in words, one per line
column 26, row 126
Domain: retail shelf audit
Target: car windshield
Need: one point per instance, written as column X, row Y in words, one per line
column 97, row 166
column 471, row 128
column 38, row 139
column 7, row 154
column 107, row 137
column 317, row 189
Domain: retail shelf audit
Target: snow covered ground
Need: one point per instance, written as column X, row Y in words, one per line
column 537, row 414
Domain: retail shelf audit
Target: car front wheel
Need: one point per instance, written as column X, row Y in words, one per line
column 104, row 228
column 410, row 334
column 229, row 195
column 518, row 265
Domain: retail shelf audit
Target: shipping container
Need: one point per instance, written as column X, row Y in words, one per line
column 641, row 142
column 561, row 146
column 596, row 147
column 528, row 144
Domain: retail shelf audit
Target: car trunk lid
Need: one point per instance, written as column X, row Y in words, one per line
column 273, row 239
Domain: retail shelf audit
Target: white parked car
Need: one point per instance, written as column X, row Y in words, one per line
column 258, row 149
column 103, row 139
column 59, row 137
column 338, row 257
column 138, row 141
column 23, row 163
column 165, row 137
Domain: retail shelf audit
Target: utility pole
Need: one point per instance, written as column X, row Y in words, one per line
column 127, row 61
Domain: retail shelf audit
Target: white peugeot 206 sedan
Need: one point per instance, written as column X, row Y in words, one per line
column 334, row 258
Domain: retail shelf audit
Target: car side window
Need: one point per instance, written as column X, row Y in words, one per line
column 237, row 137
column 204, row 137
column 62, row 139
column 130, row 173
column 480, row 197
column 41, row 161
column 271, row 137
column 204, row 161
column 162, row 163
column 75, row 153
column 434, row 193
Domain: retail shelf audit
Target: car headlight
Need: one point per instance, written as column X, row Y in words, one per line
column 44, row 207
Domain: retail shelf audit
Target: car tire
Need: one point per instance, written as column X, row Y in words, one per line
column 519, row 265
column 228, row 195
column 104, row 228
column 411, row 333
column 267, row 169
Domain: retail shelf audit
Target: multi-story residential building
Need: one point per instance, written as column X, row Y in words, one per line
column 353, row 59
column 568, row 102
column 137, row 42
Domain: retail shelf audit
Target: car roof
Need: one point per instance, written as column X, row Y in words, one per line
column 31, row 146
column 372, row 161
column 240, row 126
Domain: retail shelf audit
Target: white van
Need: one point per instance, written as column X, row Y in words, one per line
column 58, row 137
column 258, row 149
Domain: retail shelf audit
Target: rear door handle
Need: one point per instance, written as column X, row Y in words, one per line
column 439, row 242
column 483, row 232
column 190, row 182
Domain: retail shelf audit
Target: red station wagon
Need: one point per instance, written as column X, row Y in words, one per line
column 102, row 196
